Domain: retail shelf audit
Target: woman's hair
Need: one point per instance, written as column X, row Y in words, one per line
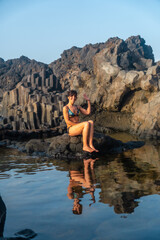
column 79, row 210
column 72, row 93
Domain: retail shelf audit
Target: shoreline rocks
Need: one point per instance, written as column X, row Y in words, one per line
column 21, row 135
column 65, row 146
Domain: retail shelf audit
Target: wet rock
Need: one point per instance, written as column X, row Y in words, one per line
column 26, row 234
column 58, row 144
column 65, row 146
column 36, row 145
column 5, row 142
column 76, row 139
column 71, row 147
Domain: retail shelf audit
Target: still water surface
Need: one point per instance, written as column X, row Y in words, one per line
column 114, row 197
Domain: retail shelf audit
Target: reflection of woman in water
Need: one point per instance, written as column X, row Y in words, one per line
column 74, row 126
column 81, row 184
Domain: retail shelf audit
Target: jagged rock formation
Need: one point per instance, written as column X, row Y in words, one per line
column 77, row 64
column 124, row 80
column 12, row 71
column 35, row 102
column 30, row 92
column 120, row 77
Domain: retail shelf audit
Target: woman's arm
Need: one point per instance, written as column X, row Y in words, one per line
column 88, row 110
column 66, row 116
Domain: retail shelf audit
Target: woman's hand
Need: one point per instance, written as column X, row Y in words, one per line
column 85, row 96
column 88, row 110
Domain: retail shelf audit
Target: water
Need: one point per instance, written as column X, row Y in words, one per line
column 114, row 197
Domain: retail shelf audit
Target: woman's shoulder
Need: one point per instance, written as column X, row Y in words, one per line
column 65, row 107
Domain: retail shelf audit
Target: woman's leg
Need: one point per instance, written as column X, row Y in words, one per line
column 91, row 135
column 82, row 129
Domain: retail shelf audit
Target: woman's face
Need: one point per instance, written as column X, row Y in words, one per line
column 77, row 207
column 72, row 99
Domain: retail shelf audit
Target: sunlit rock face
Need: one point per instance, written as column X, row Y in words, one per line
column 120, row 77
column 123, row 80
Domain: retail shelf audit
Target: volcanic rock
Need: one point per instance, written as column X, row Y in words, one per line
column 120, row 77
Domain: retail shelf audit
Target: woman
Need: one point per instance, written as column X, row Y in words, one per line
column 74, row 126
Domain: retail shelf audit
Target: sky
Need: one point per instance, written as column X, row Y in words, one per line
column 43, row 29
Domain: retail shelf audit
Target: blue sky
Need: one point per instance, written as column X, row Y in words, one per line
column 43, row 29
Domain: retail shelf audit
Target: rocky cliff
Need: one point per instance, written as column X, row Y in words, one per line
column 120, row 77
column 31, row 96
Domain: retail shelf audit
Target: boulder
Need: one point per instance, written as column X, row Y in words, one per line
column 71, row 147
column 36, row 145
column 154, row 70
column 150, row 83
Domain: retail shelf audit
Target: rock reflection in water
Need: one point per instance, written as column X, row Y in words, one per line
column 21, row 163
column 2, row 216
column 130, row 176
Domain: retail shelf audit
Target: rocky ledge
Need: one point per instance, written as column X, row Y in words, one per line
column 6, row 132
column 65, row 146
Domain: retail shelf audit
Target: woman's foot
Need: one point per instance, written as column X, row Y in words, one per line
column 88, row 149
column 94, row 149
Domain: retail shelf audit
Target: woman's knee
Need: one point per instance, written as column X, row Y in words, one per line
column 91, row 122
column 86, row 124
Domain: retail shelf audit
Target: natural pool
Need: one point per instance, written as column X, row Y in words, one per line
column 114, row 197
